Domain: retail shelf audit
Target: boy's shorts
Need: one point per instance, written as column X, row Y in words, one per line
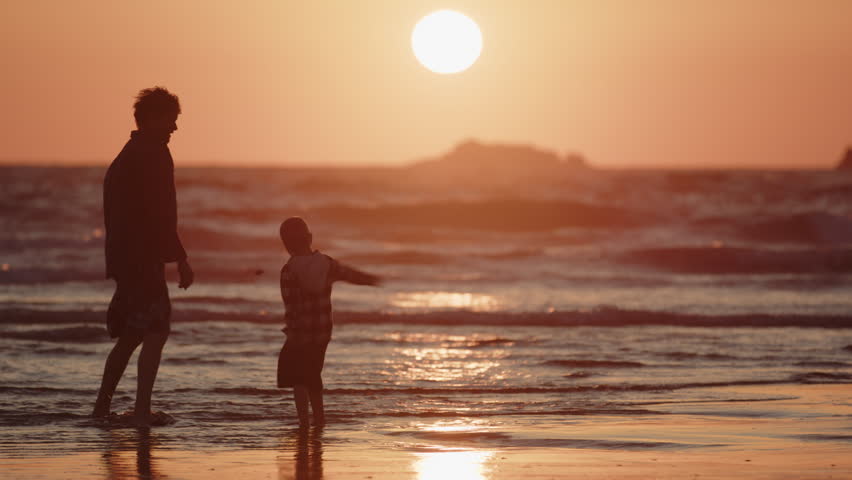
column 141, row 303
column 302, row 357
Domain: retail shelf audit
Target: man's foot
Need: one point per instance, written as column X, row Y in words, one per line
column 152, row 419
column 100, row 410
column 139, row 420
column 100, row 413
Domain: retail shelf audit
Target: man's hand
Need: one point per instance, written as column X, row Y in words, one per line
column 187, row 276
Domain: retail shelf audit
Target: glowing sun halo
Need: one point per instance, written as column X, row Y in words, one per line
column 446, row 41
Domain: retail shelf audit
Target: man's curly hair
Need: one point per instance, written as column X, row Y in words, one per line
column 153, row 102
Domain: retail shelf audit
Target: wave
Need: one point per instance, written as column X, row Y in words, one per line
column 61, row 351
column 819, row 364
column 493, row 342
column 17, row 389
column 418, row 257
column 740, row 260
column 843, row 190
column 213, row 270
column 822, row 377
column 600, row 317
column 212, row 239
column 17, row 244
column 817, row 437
column 30, row 419
column 248, row 391
column 81, row 334
column 691, row 355
column 514, row 254
column 448, row 342
column 404, row 257
column 362, row 413
column 812, row 227
column 32, row 276
column 499, row 214
column 507, row 440
column 220, row 300
column 193, row 361
column 453, row 391
column 593, row 364
column 806, row 378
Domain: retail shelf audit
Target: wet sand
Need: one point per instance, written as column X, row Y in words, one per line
column 774, row 432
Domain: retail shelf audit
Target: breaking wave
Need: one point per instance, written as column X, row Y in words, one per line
column 601, row 317
column 740, row 260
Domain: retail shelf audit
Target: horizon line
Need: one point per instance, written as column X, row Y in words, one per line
column 368, row 166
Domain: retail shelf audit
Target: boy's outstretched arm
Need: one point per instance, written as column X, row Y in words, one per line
column 346, row 273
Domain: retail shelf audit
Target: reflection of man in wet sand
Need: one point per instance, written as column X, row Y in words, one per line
column 140, row 216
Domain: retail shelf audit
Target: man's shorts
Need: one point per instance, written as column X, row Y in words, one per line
column 141, row 303
column 302, row 358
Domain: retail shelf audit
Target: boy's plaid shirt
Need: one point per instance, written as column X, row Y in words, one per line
column 310, row 310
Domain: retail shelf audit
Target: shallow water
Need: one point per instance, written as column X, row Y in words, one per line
column 217, row 378
column 608, row 295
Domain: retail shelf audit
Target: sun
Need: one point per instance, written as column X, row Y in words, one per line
column 446, row 42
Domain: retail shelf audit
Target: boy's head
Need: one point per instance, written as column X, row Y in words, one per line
column 295, row 234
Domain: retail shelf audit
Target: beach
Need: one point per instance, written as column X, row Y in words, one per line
column 789, row 432
column 437, row 401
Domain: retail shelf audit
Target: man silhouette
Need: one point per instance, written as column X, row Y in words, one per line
column 140, row 219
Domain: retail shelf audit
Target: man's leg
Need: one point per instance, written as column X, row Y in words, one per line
column 300, row 394
column 113, row 370
column 149, row 363
column 317, row 405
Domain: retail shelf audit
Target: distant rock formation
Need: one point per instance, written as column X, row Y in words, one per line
column 846, row 161
column 499, row 163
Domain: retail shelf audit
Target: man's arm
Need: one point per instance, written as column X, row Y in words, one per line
column 173, row 248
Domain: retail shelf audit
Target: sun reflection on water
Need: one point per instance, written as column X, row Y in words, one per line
column 453, row 464
column 442, row 364
column 442, row 462
column 447, row 300
column 450, row 357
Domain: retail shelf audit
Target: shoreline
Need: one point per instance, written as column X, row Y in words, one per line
column 774, row 431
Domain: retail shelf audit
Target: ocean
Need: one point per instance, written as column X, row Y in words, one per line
column 506, row 301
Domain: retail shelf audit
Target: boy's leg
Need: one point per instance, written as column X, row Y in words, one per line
column 113, row 370
column 317, row 405
column 149, row 364
column 300, row 394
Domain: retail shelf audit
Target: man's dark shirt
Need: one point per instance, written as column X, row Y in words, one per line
column 140, row 207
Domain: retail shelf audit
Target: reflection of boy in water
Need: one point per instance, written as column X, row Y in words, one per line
column 120, row 462
column 306, row 281
column 140, row 216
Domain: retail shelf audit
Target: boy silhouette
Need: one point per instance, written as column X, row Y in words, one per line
column 306, row 281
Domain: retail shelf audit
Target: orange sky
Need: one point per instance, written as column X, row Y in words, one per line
column 628, row 83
